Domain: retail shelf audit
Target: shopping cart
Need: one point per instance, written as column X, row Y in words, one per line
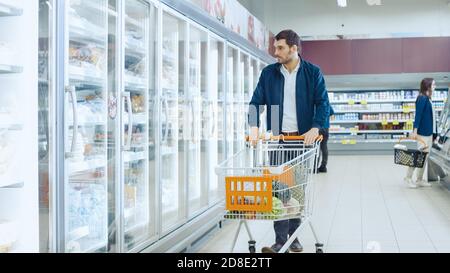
column 272, row 181
column 410, row 157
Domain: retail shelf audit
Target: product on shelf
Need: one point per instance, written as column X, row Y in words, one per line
column 138, row 103
column 88, row 57
column 87, row 214
column 135, row 66
column 134, row 39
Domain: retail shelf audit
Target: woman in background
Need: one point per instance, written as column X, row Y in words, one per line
column 424, row 127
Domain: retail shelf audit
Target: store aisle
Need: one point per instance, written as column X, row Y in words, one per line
column 362, row 205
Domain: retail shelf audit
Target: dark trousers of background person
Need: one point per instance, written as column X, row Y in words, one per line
column 284, row 228
column 325, row 132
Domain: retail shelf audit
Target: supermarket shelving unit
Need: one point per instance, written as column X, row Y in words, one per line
column 370, row 121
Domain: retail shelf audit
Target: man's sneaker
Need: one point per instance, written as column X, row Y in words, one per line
column 322, row 169
column 410, row 183
column 273, row 249
column 296, row 246
column 423, row 183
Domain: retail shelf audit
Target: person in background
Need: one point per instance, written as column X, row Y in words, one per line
column 424, row 128
column 294, row 92
column 325, row 132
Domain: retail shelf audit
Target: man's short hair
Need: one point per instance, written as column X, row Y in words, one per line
column 290, row 36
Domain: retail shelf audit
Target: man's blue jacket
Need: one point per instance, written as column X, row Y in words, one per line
column 311, row 98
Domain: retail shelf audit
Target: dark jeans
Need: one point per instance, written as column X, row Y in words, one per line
column 285, row 227
column 324, row 146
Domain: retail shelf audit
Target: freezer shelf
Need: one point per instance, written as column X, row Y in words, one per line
column 82, row 166
column 8, row 10
column 10, row 69
column 8, row 182
column 131, row 156
column 134, row 81
column 86, row 75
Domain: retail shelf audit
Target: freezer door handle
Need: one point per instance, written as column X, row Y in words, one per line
column 214, row 119
column 166, row 127
column 127, row 96
column 73, row 95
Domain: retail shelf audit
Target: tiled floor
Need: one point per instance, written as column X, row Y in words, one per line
column 361, row 205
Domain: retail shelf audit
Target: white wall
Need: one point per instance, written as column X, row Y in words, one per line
column 317, row 18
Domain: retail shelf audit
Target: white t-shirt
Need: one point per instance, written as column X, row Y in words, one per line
column 290, row 103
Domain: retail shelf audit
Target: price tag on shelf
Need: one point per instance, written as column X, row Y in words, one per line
column 395, row 122
column 353, row 142
column 354, row 131
column 406, row 109
column 364, row 102
column 351, row 102
column 345, row 141
column 384, row 122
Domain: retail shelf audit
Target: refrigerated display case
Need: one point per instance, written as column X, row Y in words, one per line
column 19, row 203
column 439, row 160
column 148, row 99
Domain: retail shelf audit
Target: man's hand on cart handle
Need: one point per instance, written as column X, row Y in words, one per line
column 414, row 134
column 311, row 136
column 254, row 136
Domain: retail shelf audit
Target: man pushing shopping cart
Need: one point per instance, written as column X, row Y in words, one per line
column 263, row 180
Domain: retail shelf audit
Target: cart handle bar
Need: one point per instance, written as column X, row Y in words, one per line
column 425, row 146
column 283, row 138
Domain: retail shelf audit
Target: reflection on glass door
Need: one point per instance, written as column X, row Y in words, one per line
column 212, row 118
column 263, row 125
column 231, row 97
column 197, row 85
column 113, row 125
column 136, row 120
column 172, row 83
column 86, row 130
column 239, row 99
column 44, row 117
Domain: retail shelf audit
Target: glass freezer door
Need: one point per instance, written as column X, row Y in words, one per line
column 171, row 133
column 231, row 100
column 198, row 41
column 86, row 116
column 213, row 121
column 137, row 99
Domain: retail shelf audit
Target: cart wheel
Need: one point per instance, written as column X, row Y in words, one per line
column 252, row 249
column 319, row 248
column 251, row 246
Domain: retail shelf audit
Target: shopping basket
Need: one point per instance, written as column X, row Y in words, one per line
column 270, row 181
column 410, row 157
